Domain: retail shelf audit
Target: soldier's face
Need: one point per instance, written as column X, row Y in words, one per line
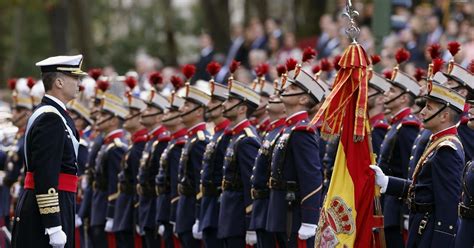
column 70, row 86
column 291, row 100
column 78, row 120
column 215, row 107
column 150, row 116
column 95, row 109
column 186, row 109
column 275, row 105
column 103, row 121
column 171, row 118
column 471, row 115
column 428, row 111
column 132, row 120
column 20, row 116
column 391, row 94
column 261, row 107
column 230, row 111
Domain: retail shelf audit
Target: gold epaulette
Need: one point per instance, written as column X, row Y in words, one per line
column 249, row 133
column 448, row 143
column 118, row 142
column 48, row 203
column 201, row 136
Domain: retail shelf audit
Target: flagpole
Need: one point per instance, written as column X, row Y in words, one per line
column 352, row 32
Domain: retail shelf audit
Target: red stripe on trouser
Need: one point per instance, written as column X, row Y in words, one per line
column 77, row 237
column 111, row 239
column 302, row 243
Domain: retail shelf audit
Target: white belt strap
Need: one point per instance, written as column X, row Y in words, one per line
column 49, row 109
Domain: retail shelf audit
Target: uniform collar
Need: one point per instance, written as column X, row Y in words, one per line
column 464, row 116
column 155, row 132
column 21, row 131
column 57, row 101
column 118, row 133
column 179, row 133
column 400, row 115
column 263, row 125
column 276, row 124
column 296, row 117
column 222, row 125
column 140, row 136
column 448, row 131
column 376, row 118
column 240, row 126
column 198, row 127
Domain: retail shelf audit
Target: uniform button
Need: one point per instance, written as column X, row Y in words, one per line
column 451, row 227
column 414, row 146
column 17, row 219
column 439, row 223
column 411, row 157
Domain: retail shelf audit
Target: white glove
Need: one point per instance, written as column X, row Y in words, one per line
column 174, row 228
column 405, row 221
column 307, row 231
column 78, row 221
column 15, row 190
column 251, row 238
column 196, row 233
column 380, row 178
column 2, row 175
column 57, row 238
column 109, row 225
column 139, row 231
column 161, row 230
column 84, row 182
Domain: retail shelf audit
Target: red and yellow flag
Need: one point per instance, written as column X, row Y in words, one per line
column 346, row 218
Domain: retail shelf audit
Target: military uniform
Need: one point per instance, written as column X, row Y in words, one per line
column 46, row 182
column 127, row 179
column 259, row 180
column 188, row 182
column 104, row 194
column 147, row 172
column 211, row 178
column 167, row 185
column 294, row 200
column 236, row 202
column 467, row 136
column 465, row 235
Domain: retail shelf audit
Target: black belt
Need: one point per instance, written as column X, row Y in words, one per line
column 210, row 190
column 231, row 186
column 186, row 190
column 259, row 193
column 283, row 185
column 466, row 212
column 420, row 207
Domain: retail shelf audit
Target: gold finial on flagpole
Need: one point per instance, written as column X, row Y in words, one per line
column 352, row 31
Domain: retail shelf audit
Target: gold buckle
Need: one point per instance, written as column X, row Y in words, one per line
column 422, row 226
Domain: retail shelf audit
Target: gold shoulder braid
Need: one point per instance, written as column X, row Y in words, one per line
column 48, row 203
column 424, row 156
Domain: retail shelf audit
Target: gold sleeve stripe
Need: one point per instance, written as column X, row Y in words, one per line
column 50, row 210
column 44, row 196
column 47, row 199
column 312, row 193
column 47, row 202
column 48, row 205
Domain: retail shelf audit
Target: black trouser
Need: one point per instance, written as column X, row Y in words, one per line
column 283, row 241
column 151, row 238
column 265, row 239
column 99, row 237
column 187, row 240
column 209, row 236
column 124, row 239
column 234, row 242
column 393, row 237
column 168, row 235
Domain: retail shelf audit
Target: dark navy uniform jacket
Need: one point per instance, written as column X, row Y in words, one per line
column 417, row 149
column 465, row 234
column 236, row 202
column 211, row 176
column 107, row 167
column 467, row 137
column 127, row 178
column 49, row 153
column 261, row 175
column 379, row 129
column 12, row 166
column 434, row 192
column 394, row 158
column 94, row 147
column 147, row 172
column 167, row 178
column 190, row 164
column 295, row 168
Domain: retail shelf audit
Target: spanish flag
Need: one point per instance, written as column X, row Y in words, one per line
column 346, row 218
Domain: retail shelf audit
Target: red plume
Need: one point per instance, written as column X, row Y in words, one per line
column 103, row 85
column 387, row 74
column 155, row 78
column 402, row 55
column 188, row 71
column 454, row 47
column 316, row 69
column 176, row 81
column 335, row 62
column 12, row 83
column 437, row 65
column 434, row 50
column 213, row 68
column 291, row 64
column 262, row 70
column 470, row 67
column 131, row 82
column 30, row 82
column 280, row 70
column 325, row 64
column 234, row 66
column 308, row 54
column 95, row 73
column 419, row 74
column 375, row 59
column 81, row 88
